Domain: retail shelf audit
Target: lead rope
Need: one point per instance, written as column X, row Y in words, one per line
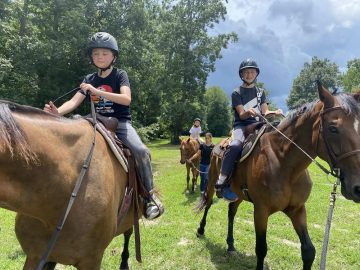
column 328, row 225
column 61, row 223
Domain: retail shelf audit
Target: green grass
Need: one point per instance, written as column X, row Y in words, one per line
column 170, row 242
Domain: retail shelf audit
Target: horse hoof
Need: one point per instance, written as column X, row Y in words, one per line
column 124, row 267
column 200, row 232
column 199, row 235
column 232, row 252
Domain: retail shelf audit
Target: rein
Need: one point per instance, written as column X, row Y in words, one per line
column 326, row 171
column 61, row 223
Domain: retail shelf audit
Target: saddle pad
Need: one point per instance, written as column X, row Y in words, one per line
column 249, row 144
column 113, row 145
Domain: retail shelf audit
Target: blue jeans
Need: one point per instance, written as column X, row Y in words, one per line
column 204, row 176
column 128, row 135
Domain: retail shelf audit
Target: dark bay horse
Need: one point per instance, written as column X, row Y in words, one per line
column 276, row 175
column 188, row 148
column 41, row 156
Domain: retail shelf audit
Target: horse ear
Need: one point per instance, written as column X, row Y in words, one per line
column 180, row 139
column 325, row 96
column 356, row 95
column 188, row 140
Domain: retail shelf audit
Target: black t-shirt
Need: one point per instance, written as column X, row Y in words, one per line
column 205, row 153
column 248, row 98
column 111, row 83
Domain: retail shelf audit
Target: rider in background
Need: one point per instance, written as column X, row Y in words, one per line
column 205, row 152
column 109, row 89
column 247, row 101
column 195, row 131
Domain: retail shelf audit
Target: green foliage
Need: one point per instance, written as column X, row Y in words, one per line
column 148, row 133
column 218, row 115
column 164, row 47
column 351, row 79
column 304, row 88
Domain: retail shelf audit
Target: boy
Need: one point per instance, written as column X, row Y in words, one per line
column 247, row 101
column 110, row 90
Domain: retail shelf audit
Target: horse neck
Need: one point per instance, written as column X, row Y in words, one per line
column 304, row 132
column 33, row 187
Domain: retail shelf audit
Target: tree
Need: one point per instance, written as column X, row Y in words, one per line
column 218, row 117
column 304, row 88
column 351, row 79
column 190, row 54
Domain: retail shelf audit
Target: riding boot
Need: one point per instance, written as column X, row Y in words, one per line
column 154, row 207
column 232, row 155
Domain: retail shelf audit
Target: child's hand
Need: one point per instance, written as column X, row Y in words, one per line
column 51, row 108
column 252, row 112
column 89, row 88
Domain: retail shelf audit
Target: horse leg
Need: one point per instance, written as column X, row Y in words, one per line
column 201, row 230
column 125, row 254
column 298, row 219
column 232, row 209
column 187, row 178
column 194, row 179
column 261, row 220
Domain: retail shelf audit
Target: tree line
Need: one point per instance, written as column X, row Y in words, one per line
column 164, row 46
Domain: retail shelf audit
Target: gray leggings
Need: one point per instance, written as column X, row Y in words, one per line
column 128, row 135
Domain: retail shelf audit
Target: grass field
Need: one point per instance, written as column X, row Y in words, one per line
column 170, row 242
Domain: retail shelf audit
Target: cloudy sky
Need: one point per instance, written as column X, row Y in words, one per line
column 281, row 35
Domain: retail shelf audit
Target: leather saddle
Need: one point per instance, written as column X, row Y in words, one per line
column 253, row 133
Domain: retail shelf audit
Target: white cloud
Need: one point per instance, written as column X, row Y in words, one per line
column 284, row 34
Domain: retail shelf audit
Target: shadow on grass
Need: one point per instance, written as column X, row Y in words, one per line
column 191, row 197
column 226, row 261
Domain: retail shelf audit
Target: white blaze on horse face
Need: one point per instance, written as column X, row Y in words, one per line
column 356, row 125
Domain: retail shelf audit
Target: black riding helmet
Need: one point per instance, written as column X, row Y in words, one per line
column 103, row 40
column 248, row 63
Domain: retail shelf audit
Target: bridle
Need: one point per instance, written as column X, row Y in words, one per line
column 334, row 159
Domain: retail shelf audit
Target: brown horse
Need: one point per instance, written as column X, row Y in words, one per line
column 188, row 148
column 41, row 156
column 275, row 174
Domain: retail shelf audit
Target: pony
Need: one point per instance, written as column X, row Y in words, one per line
column 188, row 148
column 41, row 156
column 274, row 176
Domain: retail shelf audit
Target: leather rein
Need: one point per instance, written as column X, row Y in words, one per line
column 79, row 180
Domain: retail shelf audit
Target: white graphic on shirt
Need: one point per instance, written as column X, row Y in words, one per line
column 102, row 104
column 252, row 104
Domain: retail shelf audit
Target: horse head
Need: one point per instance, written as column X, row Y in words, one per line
column 340, row 138
column 188, row 147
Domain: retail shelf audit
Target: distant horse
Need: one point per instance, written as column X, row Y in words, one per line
column 275, row 173
column 41, row 156
column 188, row 148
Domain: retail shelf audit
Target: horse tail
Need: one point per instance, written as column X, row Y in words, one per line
column 12, row 136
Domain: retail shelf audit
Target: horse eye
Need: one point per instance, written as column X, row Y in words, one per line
column 333, row 129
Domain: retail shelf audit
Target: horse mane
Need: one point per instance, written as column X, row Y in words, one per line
column 349, row 104
column 12, row 137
